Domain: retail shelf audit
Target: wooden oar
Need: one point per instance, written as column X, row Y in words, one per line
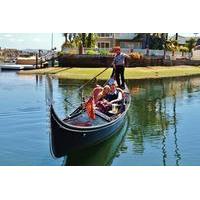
column 92, row 79
column 80, row 90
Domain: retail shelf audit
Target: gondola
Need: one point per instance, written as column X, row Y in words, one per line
column 77, row 132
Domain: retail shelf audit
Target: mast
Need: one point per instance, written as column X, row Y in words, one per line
column 51, row 41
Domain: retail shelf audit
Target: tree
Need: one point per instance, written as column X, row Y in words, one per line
column 165, row 42
column 172, row 45
column 152, row 40
column 176, row 37
column 69, row 40
column 83, row 39
column 91, row 40
column 190, row 44
column 155, row 40
column 80, row 40
column 183, row 49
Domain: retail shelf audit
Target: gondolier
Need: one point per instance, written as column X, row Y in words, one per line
column 119, row 63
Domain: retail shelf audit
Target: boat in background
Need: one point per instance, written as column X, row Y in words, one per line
column 20, row 63
column 11, row 66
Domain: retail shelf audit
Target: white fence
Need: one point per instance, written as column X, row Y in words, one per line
column 196, row 55
column 152, row 52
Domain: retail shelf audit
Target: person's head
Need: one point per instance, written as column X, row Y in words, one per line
column 112, row 84
column 106, row 89
column 112, row 88
column 97, row 90
column 117, row 50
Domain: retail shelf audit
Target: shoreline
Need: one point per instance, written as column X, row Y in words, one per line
column 130, row 73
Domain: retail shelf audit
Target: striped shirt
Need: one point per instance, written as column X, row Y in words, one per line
column 119, row 59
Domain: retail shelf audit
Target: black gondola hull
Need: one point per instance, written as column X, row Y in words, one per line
column 64, row 139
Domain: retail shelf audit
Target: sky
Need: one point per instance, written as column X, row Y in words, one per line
column 38, row 40
column 30, row 40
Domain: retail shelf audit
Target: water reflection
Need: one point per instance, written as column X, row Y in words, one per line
column 39, row 80
column 177, row 154
column 153, row 128
column 153, row 112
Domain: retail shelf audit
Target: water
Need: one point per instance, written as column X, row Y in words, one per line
column 161, row 128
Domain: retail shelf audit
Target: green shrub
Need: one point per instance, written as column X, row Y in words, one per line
column 91, row 52
column 61, row 53
column 103, row 52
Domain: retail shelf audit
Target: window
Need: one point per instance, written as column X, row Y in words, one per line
column 105, row 35
column 103, row 45
column 108, row 34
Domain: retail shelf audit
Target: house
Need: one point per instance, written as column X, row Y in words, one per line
column 128, row 40
column 105, row 40
column 198, row 42
column 124, row 40
column 181, row 39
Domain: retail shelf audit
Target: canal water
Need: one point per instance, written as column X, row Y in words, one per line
column 162, row 126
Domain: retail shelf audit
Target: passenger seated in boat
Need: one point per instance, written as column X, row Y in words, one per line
column 96, row 93
column 115, row 95
column 101, row 102
column 101, row 95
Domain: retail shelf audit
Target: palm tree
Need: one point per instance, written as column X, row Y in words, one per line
column 66, row 36
column 80, row 40
column 69, row 40
column 172, row 45
column 165, row 44
column 83, row 39
column 156, row 40
column 176, row 36
column 91, row 40
column 190, row 44
column 183, row 49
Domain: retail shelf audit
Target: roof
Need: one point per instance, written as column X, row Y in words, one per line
column 139, row 37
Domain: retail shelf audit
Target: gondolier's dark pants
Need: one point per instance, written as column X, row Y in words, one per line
column 119, row 71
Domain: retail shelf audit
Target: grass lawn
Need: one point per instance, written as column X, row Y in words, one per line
column 130, row 73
